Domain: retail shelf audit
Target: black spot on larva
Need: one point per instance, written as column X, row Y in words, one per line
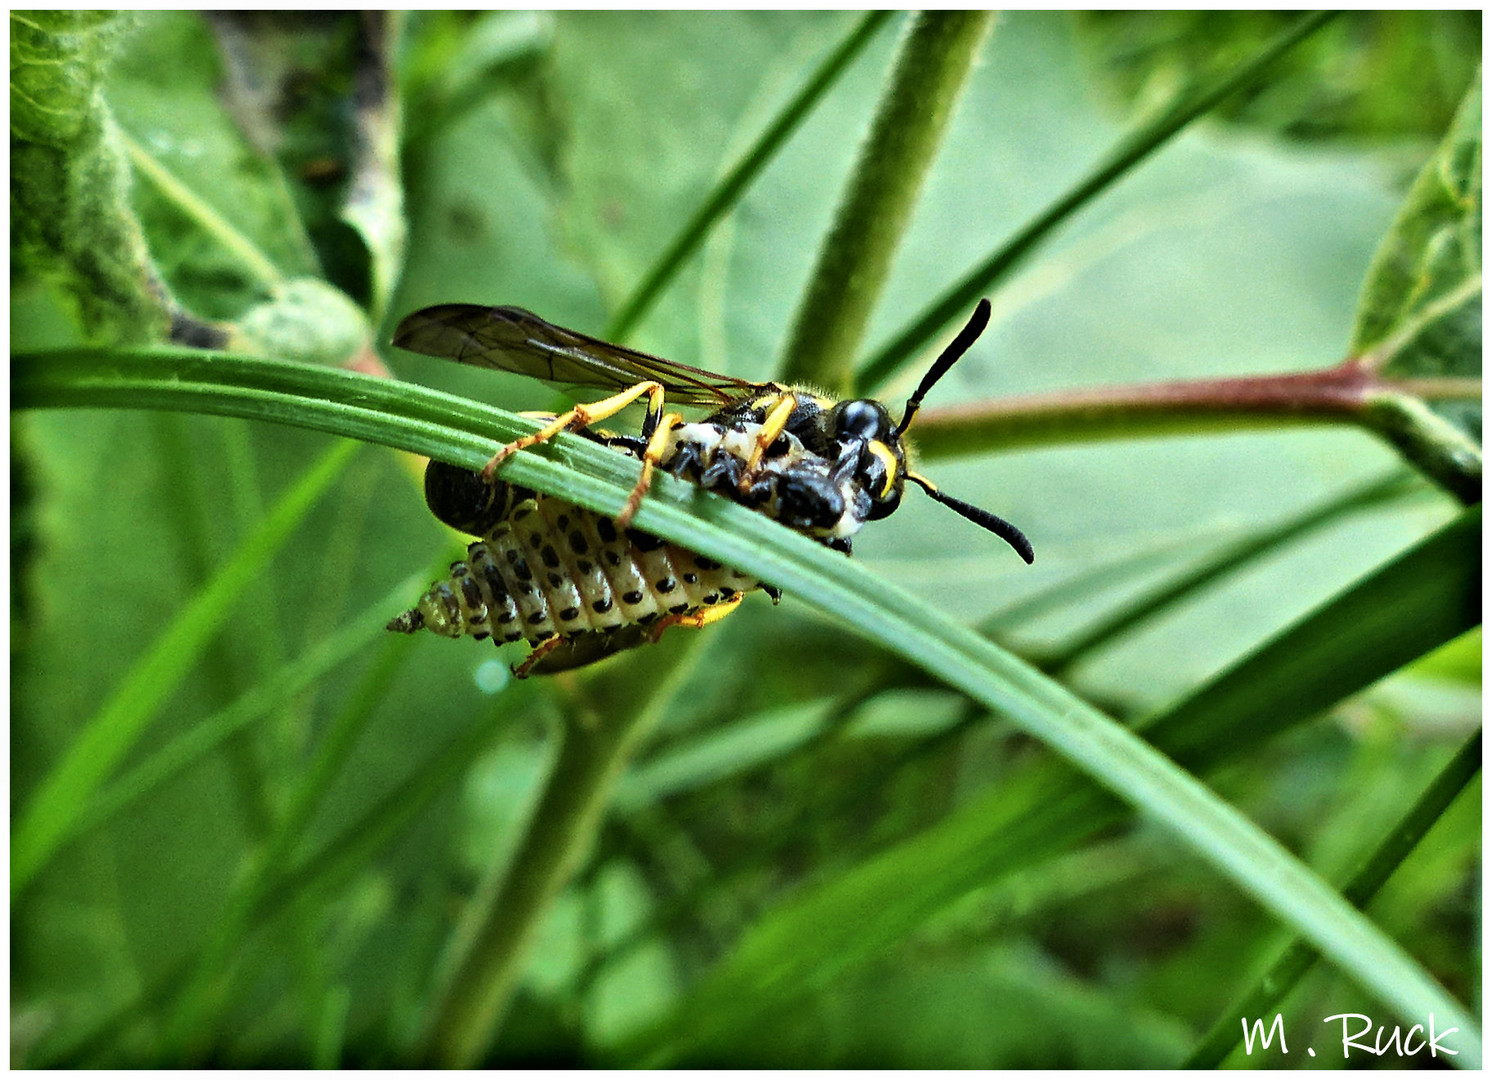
column 448, row 601
column 613, row 559
column 537, row 617
column 563, row 521
column 556, row 580
column 577, row 542
column 527, row 590
column 691, row 579
column 550, row 556
column 481, row 635
column 644, row 541
column 545, row 636
column 648, row 619
column 584, row 567
column 602, row 606
column 534, row 538
column 520, row 568
column 606, row 530
column 470, row 592
column 706, row 564
column 710, row 598
column 667, row 584
column 494, row 580
column 513, row 635
column 508, row 616
column 633, row 597
column 678, row 609
column 569, row 613
column 728, row 594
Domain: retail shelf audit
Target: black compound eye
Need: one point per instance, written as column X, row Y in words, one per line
column 861, row 420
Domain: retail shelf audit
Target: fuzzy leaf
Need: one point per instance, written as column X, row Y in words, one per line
column 69, row 193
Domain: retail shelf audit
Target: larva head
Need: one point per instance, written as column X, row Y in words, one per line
column 875, row 450
column 466, row 502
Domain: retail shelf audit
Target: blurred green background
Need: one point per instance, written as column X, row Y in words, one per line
column 547, row 159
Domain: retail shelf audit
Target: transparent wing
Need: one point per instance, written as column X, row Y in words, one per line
column 512, row 339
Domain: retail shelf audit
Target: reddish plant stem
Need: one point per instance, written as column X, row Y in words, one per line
column 1339, row 394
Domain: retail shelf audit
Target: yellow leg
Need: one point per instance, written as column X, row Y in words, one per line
column 579, row 417
column 695, row 620
column 651, row 455
column 771, row 428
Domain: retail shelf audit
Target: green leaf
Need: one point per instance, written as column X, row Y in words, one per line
column 728, row 191
column 222, row 223
column 1421, row 299
column 1420, row 314
column 317, row 97
column 70, row 206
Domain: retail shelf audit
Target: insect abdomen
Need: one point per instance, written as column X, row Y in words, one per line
column 551, row 568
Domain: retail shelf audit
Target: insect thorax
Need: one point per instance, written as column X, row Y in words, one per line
column 788, row 483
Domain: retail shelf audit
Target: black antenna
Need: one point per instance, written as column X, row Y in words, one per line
column 981, row 517
column 949, row 356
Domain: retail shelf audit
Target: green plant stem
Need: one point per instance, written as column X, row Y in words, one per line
column 728, row 191
column 958, row 301
column 593, row 751
column 930, row 70
column 1297, row 957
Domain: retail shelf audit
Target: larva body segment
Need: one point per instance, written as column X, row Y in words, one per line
column 553, row 569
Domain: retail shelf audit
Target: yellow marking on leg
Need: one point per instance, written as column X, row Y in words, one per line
column 541, row 650
column 581, row 416
column 695, row 620
column 771, row 428
column 652, row 454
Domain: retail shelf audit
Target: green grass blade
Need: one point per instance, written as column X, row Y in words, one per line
column 1411, row 606
column 197, row 1004
column 62, row 796
column 958, row 301
column 1230, row 559
column 729, row 190
column 272, row 693
column 1297, row 957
